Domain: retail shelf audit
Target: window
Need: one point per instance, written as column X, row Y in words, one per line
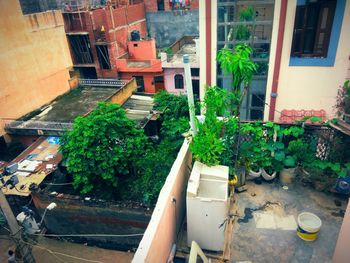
column 179, row 81
column 195, row 72
column 160, row 4
column 80, row 47
column 312, row 28
column 103, row 57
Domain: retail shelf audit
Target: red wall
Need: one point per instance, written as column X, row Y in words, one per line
column 144, row 49
column 148, row 79
column 117, row 39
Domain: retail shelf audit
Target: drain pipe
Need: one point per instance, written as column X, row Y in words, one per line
column 276, row 69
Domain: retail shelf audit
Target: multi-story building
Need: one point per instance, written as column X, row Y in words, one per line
column 173, row 66
column 101, row 46
column 170, row 20
column 301, row 48
column 34, row 59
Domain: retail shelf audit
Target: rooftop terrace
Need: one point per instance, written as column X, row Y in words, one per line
column 174, row 55
column 57, row 116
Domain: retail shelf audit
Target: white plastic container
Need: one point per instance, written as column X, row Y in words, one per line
column 207, row 206
column 309, row 225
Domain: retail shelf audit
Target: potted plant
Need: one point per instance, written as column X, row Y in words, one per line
column 343, row 102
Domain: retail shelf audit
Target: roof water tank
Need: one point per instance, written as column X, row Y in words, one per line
column 135, row 35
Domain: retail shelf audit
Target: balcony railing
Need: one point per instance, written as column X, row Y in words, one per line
column 36, row 127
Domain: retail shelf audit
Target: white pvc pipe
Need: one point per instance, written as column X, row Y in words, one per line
column 188, row 82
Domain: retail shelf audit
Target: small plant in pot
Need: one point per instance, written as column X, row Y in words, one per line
column 343, row 102
column 287, row 174
column 207, row 146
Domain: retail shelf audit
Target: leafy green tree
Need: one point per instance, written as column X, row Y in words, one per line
column 239, row 64
column 102, row 147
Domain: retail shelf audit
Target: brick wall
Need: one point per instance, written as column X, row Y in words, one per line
column 118, row 24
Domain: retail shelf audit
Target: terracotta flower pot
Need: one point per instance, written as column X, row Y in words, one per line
column 287, row 175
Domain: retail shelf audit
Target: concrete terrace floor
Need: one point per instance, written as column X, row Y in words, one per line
column 265, row 228
column 75, row 103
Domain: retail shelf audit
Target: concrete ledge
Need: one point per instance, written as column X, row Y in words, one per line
column 168, row 214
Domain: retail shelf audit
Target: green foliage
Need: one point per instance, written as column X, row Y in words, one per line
column 238, row 64
column 343, row 99
column 152, row 169
column 242, row 69
column 168, row 50
column 243, row 32
column 207, row 145
column 246, row 14
column 172, row 106
column 101, row 147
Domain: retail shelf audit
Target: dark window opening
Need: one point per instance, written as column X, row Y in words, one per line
column 195, row 86
column 258, row 100
column 103, row 57
column 160, row 4
column 195, row 72
column 80, row 47
column 312, row 28
column 87, row 72
column 140, row 83
column 256, row 114
column 179, row 81
column 136, row 45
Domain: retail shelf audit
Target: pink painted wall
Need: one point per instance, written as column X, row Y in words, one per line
column 167, row 217
column 169, row 82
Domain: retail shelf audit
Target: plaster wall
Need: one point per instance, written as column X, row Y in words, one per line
column 163, row 227
column 169, row 81
column 144, row 49
column 34, row 59
column 148, row 79
column 167, row 28
column 307, row 87
column 342, row 253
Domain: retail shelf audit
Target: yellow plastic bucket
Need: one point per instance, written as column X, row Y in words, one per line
column 309, row 225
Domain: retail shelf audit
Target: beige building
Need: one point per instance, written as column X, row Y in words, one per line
column 34, row 60
column 301, row 66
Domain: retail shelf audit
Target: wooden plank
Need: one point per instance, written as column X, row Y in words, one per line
column 341, row 126
column 231, row 218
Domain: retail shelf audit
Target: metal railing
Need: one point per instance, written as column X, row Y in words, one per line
column 119, row 83
column 38, row 125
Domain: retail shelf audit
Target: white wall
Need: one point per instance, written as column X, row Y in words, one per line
column 311, row 87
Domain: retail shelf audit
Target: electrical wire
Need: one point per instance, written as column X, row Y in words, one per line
column 55, row 253
column 90, row 235
column 59, row 183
